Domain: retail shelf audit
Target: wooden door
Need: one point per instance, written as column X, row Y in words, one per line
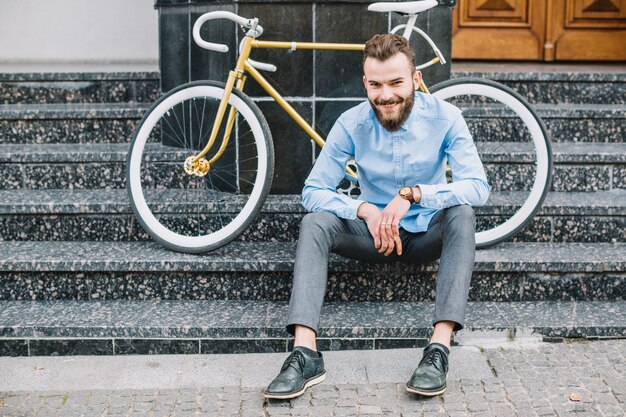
column 540, row 30
column 587, row 30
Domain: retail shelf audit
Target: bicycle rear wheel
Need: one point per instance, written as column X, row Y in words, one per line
column 189, row 213
column 513, row 144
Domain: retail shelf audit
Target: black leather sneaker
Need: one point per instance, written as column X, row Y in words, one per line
column 430, row 376
column 300, row 371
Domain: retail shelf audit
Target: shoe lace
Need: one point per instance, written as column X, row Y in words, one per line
column 434, row 357
column 296, row 361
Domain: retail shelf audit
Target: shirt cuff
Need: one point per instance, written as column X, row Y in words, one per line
column 353, row 208
column 428, row 195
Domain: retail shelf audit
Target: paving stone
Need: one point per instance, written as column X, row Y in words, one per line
column 491, row 397
column 302, row 411
column 346, row 411
column 370, row 409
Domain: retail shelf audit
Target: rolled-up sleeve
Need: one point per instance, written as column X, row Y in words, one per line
column 469, row 182
column 320, row 188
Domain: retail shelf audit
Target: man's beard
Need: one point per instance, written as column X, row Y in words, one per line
column 395, row 123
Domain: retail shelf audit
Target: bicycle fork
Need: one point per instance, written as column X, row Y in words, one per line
column 198, row 165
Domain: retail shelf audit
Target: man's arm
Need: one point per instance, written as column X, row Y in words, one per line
column 319, row 192
column 469, row 184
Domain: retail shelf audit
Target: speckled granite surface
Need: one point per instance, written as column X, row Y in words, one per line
column 72, row 111
column 490, row 152
column 278, row 256
column 558, row 86
column 120, row 296
column 263, row 271
column 69, row 123
column 536, row 85
column 82, row 122
column 578, row 166
column 183, row 327
column 78, row 87
column 106, row 215
column 91, row 74
column 611, row 202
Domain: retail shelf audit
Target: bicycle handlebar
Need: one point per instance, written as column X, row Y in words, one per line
column 218, row 47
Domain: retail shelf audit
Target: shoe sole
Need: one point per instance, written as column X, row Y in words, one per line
column 425, row 392
column 309, row 383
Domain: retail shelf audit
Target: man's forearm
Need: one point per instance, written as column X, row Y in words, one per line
column 365, row 210
column 471, row 191
column 315, row 199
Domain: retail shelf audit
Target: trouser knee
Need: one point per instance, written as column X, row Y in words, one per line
column 461, row 220
column 318, row 224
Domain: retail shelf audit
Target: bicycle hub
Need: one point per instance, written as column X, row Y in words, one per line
column 199, row 168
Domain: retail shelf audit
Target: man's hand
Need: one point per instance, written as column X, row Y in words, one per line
column 388, row 228
column 372, row 216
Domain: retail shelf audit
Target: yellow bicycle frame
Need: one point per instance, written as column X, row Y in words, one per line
column 237, row 77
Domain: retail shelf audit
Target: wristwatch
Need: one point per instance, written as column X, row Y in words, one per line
column 407, row 194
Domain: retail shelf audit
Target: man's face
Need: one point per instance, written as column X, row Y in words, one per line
column 390, row 88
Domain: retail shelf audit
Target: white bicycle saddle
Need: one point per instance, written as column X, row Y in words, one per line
column 408, row 7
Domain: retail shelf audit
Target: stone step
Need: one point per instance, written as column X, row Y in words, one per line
column 601, row 84
column 578, row 167
column 118, row 327
column 115, row 122
column 79, row 87
column 69, row 123
column 48, row 271
column 558, row 84
column 100, row 215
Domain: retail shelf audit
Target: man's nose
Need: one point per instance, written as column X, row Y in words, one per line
column 386, row 93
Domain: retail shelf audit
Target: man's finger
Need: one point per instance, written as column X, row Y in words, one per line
column 390, row 248
column 383, row 239
column 383, row 246
column 382, row 233
column 376, row 235
column 398, row 245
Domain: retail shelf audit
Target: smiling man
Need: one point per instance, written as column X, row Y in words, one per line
column 401, row 141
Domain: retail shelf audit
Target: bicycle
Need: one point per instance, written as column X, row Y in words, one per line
column 222, row 188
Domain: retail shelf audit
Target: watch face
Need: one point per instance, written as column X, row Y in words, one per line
column 405, row 191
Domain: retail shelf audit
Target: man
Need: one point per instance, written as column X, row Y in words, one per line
column 401, row 141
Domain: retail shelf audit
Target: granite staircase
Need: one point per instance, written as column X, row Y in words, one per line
column 78, row 275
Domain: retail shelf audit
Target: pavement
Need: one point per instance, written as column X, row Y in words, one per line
column 488, row 377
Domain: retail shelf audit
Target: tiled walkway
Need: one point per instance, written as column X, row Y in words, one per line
column 488, row 379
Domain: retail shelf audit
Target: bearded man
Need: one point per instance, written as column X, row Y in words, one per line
column 401, row 141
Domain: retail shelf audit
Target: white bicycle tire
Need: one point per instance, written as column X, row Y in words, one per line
column 540, row 140
column 264, row 148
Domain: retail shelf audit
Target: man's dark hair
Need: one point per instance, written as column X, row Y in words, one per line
column 383, row 47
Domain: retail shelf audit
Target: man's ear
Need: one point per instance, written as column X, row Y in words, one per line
column 417, row 79
column 365, row 82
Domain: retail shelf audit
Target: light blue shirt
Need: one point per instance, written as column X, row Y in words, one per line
column 434, row 134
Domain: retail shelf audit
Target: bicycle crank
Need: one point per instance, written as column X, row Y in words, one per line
column 199, row 168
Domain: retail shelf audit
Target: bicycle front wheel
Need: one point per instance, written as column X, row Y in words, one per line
column 189, row 213
column 513, row 145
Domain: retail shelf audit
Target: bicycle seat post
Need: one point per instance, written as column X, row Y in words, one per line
column 409, row 26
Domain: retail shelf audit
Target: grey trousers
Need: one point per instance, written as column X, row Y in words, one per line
column 450, row 236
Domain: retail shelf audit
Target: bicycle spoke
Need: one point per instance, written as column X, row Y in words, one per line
column 181, row 142
column 219, row 213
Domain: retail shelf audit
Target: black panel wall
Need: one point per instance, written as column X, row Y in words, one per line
column 319, row 84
